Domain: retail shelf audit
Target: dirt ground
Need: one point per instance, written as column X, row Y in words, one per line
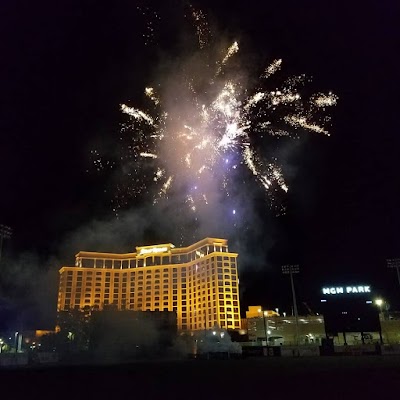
column 362, row 377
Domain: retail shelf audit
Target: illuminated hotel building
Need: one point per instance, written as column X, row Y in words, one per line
column 198, row 282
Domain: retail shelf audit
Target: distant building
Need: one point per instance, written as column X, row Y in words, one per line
column 198, row 282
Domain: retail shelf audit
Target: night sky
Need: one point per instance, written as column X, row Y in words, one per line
column 67, row 65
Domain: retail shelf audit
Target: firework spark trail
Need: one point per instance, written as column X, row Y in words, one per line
column 324, row 100
column 149, row 155
column 299, row 121
column 152, row 95
column 201, row 25
column 137, row 114
column 272, row 68
column 196, row 136
column 233, row 49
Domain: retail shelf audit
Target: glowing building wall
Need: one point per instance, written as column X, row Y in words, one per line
column 198, row 282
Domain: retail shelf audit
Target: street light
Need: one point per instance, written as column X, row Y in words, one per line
column 379, row 303
column 394, row 263
column 290, row 270
column 5, row 233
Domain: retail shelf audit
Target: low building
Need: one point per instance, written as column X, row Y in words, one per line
column 279, row 330
column 261, row 325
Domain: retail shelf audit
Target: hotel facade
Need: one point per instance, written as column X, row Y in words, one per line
column 198, row 282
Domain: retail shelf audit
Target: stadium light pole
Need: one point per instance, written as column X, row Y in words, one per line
column 394, row 263
column 5, row 233
column 290, row 270
column 260, row 310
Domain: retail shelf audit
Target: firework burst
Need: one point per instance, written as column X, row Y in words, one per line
column 199, row 130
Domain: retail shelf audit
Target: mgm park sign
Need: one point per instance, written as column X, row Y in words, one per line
column 346, row 289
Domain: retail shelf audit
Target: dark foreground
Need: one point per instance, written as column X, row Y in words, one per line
column 363, row 377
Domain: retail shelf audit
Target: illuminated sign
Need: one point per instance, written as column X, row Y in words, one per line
column 346, row 289
column 153, row 250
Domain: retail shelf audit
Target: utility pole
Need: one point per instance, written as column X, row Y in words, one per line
column 5, row 233
column 394, row 263
column 290, row 270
